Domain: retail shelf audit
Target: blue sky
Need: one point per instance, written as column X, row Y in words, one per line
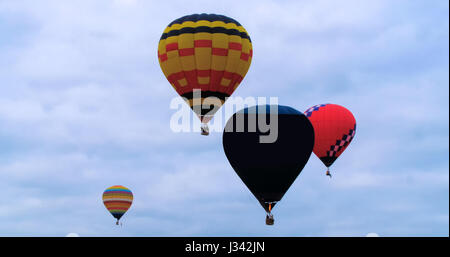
column 84, row 105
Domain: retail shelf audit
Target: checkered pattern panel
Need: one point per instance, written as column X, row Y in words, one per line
column 341, row 143
column 312, row 109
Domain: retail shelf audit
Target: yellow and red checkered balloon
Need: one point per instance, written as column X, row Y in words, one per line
column 206, row 52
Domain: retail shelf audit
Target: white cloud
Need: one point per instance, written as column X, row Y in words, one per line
column 72, row 235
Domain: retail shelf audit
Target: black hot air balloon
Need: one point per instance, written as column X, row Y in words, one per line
column 268, row 167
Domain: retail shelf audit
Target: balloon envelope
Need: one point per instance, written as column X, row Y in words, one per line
column 268, row 169
column 334, row 128
column 206, row 52
column 117, row 199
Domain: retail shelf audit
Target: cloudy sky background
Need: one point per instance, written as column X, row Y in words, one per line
column 84, row 105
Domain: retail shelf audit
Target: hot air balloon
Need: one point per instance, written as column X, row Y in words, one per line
column 268, row 169
column 205, row 57
column 117, row 199
column 334, row 127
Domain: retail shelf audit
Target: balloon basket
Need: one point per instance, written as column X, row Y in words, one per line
column 269, row 219
column 205, row 129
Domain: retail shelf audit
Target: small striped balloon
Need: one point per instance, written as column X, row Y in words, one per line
column 117, row 199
